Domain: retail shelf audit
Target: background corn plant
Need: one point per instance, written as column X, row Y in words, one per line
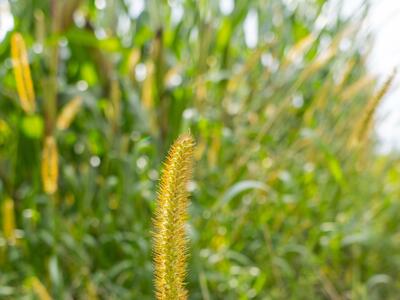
column 289, row 199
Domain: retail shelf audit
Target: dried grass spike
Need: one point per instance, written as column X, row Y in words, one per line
column 170, row 240
column 50, row 165
column 22, row 73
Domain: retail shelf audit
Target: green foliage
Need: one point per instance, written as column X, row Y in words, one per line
column 283, row 207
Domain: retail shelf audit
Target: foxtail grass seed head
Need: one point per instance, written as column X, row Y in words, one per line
column 50, row 165
column 39, row 289
column 147, row 91
column 170, row 240
column 9, row 220
column 68, row 113
column 365, row 124
column 298, row 50
column 133, row 60
column 113, row 111
column 91, row 291
column 22, row 73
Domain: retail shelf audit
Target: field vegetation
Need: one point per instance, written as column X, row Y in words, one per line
column 289, row 197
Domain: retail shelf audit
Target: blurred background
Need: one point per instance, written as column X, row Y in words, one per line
column 293, row 105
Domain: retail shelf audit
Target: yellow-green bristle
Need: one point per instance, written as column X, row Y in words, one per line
column 170, row 240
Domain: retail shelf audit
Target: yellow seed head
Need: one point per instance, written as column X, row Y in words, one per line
column 133, row 60
column 91, row 291
column 50, row 165
column 22, row 73
column 147, row 91
column 68, row 113
column 115, row 96
column 364, row 125
column 39, row 289
column 298, row 50
column 9, row 220
column 170, row 240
